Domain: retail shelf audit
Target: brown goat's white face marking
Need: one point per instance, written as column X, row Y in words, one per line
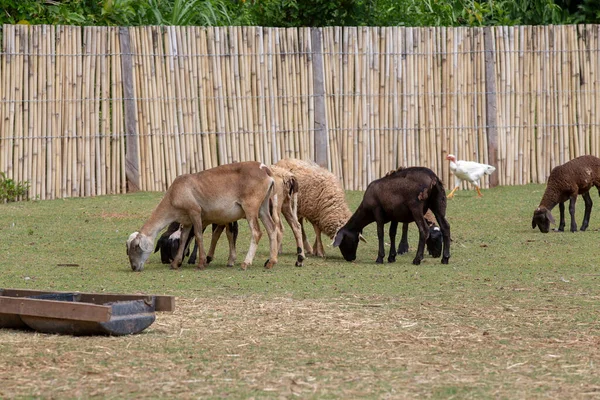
column 139, row 248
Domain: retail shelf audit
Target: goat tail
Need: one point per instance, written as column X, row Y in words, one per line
column 267, row 201
column 293, row 185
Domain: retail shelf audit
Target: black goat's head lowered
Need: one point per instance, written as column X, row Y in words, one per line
column 347, row 241
column 435, row 242
column 542, row 218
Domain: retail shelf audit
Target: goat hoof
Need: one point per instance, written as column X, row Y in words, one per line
column 445, row 260
column 229, row 265
column 208, row 259
column 402, row 249
column 269, row 264
column 417, row 261
column 244, row 266
column 379, row 260
column 201, row 267
column 392, row 259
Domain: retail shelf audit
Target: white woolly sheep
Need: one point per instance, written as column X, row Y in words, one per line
column 321, row 200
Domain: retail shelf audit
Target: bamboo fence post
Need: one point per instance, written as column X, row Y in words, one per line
column 396, row 83
column 35, row 117
column 595, row 79
column 491, row 105
column 206, row 106
column 68, row 122
column 166, row 48
column 263, row 109
column 104, row 140
column 196, row 160
column 57, row 120
column 47, row 110
column 183, row 101
column 157, row 99
column 246, row 59
column 86, row 116
column 347, row 133
column 79, row 132
column 21, row 130
column 132, row 160
column 291, row 34
column 321, row 129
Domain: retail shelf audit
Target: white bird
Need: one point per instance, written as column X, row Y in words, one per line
column 469, row 171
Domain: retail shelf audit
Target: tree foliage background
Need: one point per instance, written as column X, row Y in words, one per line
column 295, row 13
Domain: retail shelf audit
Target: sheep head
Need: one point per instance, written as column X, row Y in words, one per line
column 139, row 248
column 542, row 218
column 347, row 241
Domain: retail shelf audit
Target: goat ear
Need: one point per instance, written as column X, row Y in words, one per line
column 339, row 236
column 550, row 217
column 533, row 224
column 146, row 244
column 362, row 238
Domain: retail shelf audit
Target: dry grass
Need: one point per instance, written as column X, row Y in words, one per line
column 280, row 348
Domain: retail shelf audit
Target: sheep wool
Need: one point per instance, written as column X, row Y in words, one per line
column 321, row 198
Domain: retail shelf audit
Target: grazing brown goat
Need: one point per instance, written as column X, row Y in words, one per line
column 219, row 196
column 566, row 182
column 403, row 196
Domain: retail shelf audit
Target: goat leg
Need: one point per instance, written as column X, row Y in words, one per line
column 217, row 230
column 185, row 232
column 445, row 228
column 403, row 246
column 318, row 249
column 393, row 230
column 423, row 235
column 307, row 247
column 380, row 238
column 588, row 211
column 572, row 202
column 561, row 224
column 292, row 221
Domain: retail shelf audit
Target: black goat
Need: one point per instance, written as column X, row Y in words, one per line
column 403, row 196
column 434, row 242
column 168, row 243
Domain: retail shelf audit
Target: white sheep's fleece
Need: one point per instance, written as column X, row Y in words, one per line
column 321, row 198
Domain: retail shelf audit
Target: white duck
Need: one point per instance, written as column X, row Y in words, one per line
column 469, row 171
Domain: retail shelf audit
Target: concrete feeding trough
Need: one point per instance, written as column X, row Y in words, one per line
column 75, row 313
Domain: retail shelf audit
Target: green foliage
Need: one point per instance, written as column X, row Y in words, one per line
column 10, row 190
column 292, row 13
column 295, row 13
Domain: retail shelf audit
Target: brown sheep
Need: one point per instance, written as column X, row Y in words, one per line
column 566, row 182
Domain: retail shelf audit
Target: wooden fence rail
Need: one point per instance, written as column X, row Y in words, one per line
column 88, row 111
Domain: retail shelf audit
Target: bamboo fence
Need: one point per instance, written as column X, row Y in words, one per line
column 209, row 96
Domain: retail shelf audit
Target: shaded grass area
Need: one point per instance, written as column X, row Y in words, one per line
column 514, row 314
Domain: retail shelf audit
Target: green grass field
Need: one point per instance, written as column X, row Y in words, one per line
column 513, row 315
